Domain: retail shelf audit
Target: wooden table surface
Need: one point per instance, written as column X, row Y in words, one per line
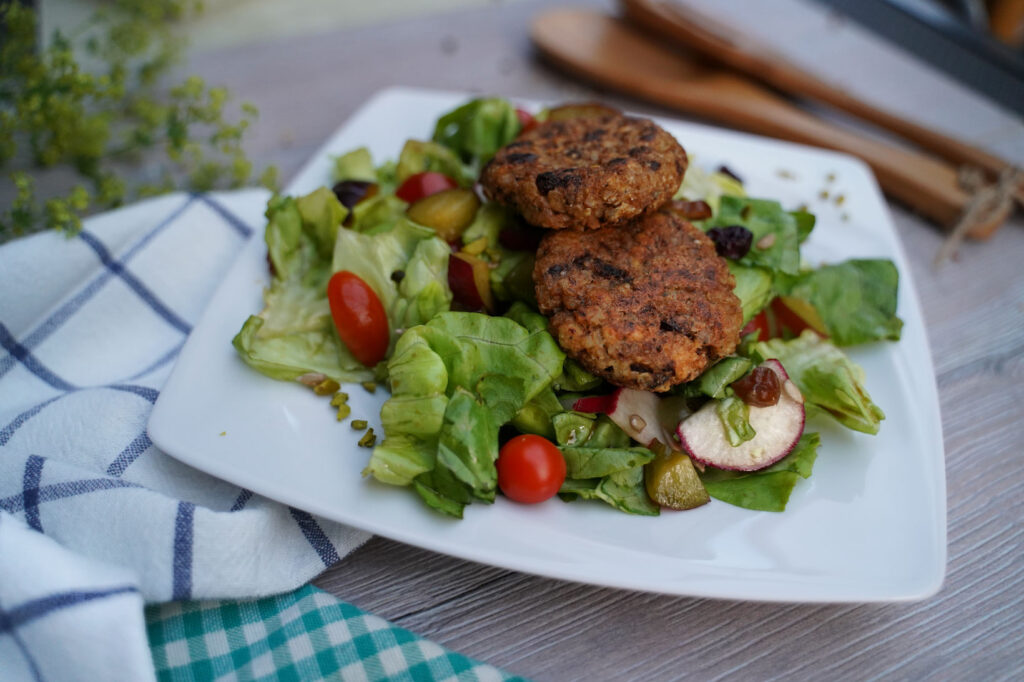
column 548, row 629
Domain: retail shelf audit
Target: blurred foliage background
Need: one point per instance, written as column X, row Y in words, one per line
column 93, row 113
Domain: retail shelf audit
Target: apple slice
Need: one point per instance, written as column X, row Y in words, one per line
column 778, row 428
column 642, row 415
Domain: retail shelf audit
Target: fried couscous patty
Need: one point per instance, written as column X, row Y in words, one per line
column 647, row 305
column 586, row 173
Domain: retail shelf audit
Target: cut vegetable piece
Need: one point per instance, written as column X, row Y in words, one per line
column 638, row 413
column 580, row 110
column 448, row 212
column 672, row 482
column 469, row 278
column 778, row 430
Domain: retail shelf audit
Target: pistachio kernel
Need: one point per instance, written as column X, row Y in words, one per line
column 326, row 387
column 368, row 440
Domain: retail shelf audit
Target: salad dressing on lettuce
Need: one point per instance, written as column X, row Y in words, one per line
column 461, row 381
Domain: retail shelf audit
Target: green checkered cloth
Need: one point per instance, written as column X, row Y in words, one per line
column 303, row 635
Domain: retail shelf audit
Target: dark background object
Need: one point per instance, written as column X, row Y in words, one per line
column 949, row 40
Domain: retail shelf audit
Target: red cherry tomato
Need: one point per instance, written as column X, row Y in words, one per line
column 758, row 323
column 526, row 120
column 530, row 469
column 423, row 185
column 358, row 316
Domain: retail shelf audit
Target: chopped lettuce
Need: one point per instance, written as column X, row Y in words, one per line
column 753, row 288
column 735, row 417
column 420, row 291
column 600, row 462
column 766, row 489
column 358, row 165
column 623, row 490
column 701, row 185
column 294, row 334
column 715, row 380
column 827, row 379
column 776, row 233
column 855, row 299
column 477, row 129
column 418, row 156
column 355, row 165
column 454, row 381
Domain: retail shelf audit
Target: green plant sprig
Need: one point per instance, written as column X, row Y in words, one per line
column 93, row 101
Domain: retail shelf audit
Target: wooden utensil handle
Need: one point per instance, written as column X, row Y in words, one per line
column 690, row 28
column 605, row 50
column 926, row 184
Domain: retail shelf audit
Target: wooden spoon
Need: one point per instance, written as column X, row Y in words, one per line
column 694, row 30
column 607, row 51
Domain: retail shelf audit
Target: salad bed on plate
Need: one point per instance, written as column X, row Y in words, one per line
column 401, row 274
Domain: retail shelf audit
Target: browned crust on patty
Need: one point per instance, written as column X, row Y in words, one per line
column 648, row 305
column 586, row 173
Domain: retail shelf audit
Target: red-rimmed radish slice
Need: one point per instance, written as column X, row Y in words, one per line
column 778, row 428
column 641, row 414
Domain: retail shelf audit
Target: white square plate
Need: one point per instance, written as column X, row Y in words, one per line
column 869, row 525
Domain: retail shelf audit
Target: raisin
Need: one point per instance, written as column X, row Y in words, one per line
column 691, row 210
column 732, row 241
column 760, row 388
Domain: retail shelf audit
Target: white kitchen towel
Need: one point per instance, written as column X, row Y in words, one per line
column 89, row 330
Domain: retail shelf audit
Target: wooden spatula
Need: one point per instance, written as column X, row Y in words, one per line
column 605, row 50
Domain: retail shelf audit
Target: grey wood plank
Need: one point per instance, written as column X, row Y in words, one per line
column 553, row 630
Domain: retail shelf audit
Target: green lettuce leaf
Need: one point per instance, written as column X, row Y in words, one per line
column 715, row 380
column 856, row 300
column 623, row 490
column 601, row 462
column 827, row 379
column 774, row 228
column 477, row 129
column 753, row 287
column 536, row 416
column 468, row 444
column 454, row 381
column 735, row 417
column 418, row 156
column 768, row 489
column 294, row 334
column 701, row 185
column 355, row 165
column 414, row 251
column 572, row 428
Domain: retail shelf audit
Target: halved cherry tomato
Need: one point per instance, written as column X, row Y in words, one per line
column 780, row 320
column 531, row 469
column 526, row 120
column 358, row 316
column 423, row 185
column 760, row 324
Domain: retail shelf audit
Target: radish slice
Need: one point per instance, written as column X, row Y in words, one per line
column 778, row 428
column 638, row 413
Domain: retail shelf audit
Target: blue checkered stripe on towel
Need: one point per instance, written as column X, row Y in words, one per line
column 89, row 330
